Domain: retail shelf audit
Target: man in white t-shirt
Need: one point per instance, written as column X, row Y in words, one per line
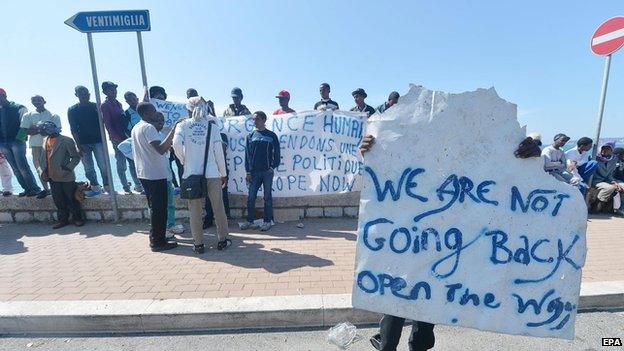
column 579, row 164
column 152, row 168
column 555, row 159
column 35, row 141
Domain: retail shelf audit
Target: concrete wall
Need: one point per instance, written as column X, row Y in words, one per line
column 134, row 207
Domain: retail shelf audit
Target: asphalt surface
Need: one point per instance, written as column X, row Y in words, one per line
column 590, row 329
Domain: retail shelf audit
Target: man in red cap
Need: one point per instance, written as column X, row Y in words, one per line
column 284, row 98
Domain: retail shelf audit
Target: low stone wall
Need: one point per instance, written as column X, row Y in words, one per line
column 134, row 207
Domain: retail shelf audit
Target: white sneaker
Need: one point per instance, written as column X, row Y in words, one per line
column 265, row 226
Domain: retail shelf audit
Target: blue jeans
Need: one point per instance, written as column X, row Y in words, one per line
column 15, row 153
column 264, row 179
column 586, row 170
column 170, row 206
column 122, row 167
column 97, row 151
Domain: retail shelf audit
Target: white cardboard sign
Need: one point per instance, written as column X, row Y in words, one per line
column 319, row 152
column 455, row 230
column 319, row 149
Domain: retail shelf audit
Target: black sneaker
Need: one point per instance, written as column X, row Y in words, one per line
column 199, row 249
column 222, row 245
column 22, row 194
column 7, row 193
column 33, row 193
column 43, row 194
column 618, row 213
column 166, row 246
column 376, row 341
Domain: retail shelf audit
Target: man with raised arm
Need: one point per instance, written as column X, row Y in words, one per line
column 152, row 168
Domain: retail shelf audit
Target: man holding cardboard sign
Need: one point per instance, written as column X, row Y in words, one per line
column 485, row 247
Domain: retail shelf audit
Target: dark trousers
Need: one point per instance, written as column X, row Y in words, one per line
column 156, row 193
column 390, row 328
column 209, row 217
column 64, row 196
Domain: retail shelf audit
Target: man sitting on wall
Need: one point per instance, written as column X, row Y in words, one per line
column 555, row 159
column 604, row 180
column 579, row 164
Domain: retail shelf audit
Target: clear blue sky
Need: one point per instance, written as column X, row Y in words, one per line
column 535, row 53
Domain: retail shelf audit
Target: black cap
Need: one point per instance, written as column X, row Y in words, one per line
column 237, row 92
column 393, row 96
column 359, row 91
column 561, row 135
column 325, row 85
column 107, row 85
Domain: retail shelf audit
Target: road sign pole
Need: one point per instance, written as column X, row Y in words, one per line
column 603, row 95
column 141, row 58
column 109, row 173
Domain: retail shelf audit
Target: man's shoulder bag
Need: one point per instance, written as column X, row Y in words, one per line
column 194, row 186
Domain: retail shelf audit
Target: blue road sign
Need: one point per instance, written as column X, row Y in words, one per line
column 110, row 21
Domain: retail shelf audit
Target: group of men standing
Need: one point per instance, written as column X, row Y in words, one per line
column 17, row 126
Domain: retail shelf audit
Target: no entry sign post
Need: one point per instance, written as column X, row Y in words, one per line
column 607, row 39
column 110, row 21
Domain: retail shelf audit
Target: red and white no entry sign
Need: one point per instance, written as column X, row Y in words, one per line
column 609, row 37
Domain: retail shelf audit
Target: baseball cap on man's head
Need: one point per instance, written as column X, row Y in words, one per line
column 560, row 136
column 283, row 94
column 237, row 92
column 359, row 91
column 107, row 85
column 394, row 96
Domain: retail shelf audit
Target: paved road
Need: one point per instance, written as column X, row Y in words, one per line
column 113, row 262
column 591, row 327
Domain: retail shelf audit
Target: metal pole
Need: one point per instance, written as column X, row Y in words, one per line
column 98, row 101
column 142, row 58
column 603, row 96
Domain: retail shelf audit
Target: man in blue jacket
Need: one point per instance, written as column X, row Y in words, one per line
column 262, row 156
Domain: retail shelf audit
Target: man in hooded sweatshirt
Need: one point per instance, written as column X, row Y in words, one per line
column 189, row 144
column 605, row 181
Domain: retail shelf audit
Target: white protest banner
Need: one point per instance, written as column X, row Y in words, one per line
column 172, row 111
column 454, row 229
column 319, row 152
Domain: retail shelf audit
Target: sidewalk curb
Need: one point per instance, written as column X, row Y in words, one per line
column 139, row 316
